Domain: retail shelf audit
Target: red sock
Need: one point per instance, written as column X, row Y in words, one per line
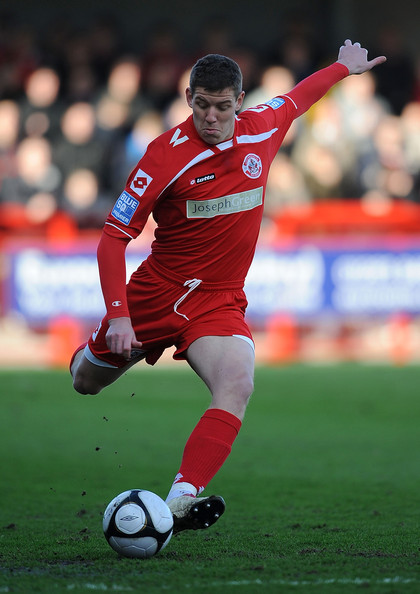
column 208, row 447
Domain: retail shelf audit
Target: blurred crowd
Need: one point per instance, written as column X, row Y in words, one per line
column 78, row 109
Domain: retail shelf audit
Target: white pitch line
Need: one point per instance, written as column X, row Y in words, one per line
column 297, row 583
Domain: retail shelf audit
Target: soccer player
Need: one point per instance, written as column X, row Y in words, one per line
column 204, row 183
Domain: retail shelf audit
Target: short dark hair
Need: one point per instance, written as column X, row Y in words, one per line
column 214, row 73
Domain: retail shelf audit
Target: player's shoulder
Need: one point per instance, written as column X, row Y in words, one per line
column 269, row 108
column 178, row 134
column 273, row 111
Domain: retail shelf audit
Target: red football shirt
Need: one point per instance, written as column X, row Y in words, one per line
column 207, row 200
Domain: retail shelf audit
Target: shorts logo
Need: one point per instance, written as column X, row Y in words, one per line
column 252, row 166
column 124, row 208
column 203, row 179
column 96, row 332
column 275, row 103
column 140, row 182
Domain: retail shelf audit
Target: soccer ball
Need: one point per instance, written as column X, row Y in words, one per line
column 137, row 523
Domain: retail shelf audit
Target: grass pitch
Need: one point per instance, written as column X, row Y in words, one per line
column 322, row 486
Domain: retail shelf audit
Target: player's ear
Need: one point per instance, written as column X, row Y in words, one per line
column 189, row 96
column 239, row 100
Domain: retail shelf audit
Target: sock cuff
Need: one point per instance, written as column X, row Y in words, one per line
column 224, row 416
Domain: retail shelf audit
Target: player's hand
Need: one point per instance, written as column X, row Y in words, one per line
column 120, row 337
column 354, row 57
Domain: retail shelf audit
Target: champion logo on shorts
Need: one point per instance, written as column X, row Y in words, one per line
column 252, row 166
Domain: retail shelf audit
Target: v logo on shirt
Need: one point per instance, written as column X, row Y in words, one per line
column 175, row 140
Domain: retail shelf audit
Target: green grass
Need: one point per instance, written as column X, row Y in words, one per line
column 322, row 486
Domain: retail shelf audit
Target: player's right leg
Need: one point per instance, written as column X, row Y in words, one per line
column 90, row 377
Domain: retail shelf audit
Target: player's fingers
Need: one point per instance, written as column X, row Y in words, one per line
column 376, row 61
column 357, row 44
column 110, row 342
column 126, row 350
column 136, row 344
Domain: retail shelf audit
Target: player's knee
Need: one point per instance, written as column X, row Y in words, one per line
column 85, row 386
column 245, row 386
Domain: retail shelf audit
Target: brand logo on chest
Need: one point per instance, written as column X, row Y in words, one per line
column 203, row 179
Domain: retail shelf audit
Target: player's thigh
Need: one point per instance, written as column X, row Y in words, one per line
column 91, row 379
column 225, row 363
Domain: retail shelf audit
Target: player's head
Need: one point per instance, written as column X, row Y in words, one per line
column 215, row 95
column 214, row 73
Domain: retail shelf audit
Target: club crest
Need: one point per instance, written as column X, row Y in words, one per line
column 252, row 166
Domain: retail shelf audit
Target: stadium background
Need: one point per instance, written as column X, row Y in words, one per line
column 338, row 269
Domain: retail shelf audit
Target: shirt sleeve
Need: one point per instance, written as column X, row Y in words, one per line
column 112, row 274
column 143, row 188
column 124, row 223
column 315, row 86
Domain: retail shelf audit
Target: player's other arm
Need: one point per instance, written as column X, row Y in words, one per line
column 352, row 59
column 120, row 228
column 120, row 336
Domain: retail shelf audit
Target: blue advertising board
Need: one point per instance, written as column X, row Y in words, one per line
column 308, row 280
column 344, row 281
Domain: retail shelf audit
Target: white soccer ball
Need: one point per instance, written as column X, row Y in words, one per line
column 138, row 523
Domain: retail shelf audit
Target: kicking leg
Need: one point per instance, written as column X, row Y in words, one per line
column 226, row 365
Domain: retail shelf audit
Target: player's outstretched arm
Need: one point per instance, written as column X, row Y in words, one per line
column 355, row 58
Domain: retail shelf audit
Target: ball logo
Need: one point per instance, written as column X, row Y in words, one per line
column 252, row 166
column 130, row 518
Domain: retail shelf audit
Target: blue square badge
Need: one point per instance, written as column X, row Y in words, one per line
column 124, row 208
column 275, row 103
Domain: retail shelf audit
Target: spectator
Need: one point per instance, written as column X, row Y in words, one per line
column 36, row 176
column 298, row 47
column 163, row 64
column 9, row 131
column 274, row 80
column 396, row 81
column 40, row 109
column 286, row 186
column 385, row 169
column 130, row 148
column 122, row 92
column 82, row 199
column 322, row 171
column 410, row 121
column 79, row 145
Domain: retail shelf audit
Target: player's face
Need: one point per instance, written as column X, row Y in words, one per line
column 214, row 113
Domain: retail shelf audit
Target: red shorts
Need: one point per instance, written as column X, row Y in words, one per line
column 167, row 310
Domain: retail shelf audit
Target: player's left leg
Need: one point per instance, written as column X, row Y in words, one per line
column 90, row 377
column 226, row 365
